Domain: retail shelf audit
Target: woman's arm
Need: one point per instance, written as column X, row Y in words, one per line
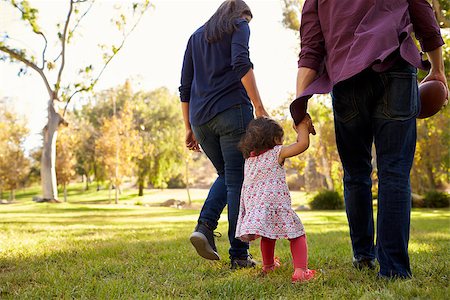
column 243, row 67
column 249, row 83
column 190, row 141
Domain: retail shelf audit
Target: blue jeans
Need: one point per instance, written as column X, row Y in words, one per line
column 380, row 107
column 219, row 138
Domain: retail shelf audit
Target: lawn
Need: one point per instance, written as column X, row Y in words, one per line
column 84, row 250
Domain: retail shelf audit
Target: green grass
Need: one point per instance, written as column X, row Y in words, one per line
column 99, row 251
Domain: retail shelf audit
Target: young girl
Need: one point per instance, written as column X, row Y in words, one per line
column 265, row 208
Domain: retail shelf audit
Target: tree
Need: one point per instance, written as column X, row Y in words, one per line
column 65, row 158
column 160, row 122
column 14, row 166
column 325, row 142
column 85, row 147
column 60, row 91
column 117, row 146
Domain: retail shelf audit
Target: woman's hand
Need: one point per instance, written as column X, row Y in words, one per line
column 191, row 142
column 261, row 111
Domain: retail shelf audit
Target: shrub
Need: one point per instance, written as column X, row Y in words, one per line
column 417, row 201
column 176, row 182
column 327, row 199
column 435, row 199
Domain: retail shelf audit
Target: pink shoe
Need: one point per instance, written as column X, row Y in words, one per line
column 269, row 268
column 303, row 275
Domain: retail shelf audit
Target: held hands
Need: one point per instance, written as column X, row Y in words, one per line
column 306, row 124
column 191, row 142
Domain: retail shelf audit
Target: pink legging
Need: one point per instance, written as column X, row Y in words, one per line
column 299, row 251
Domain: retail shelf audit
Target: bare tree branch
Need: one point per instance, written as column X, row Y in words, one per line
column 84, row 89
column 17, row 56
column 35, row 30
column 63, row 48
column 78, row 22
column 82, row 16
column 94, row 82
column 43, row 51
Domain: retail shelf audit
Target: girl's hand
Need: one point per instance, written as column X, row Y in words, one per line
column 308, row 123
column 191, row 142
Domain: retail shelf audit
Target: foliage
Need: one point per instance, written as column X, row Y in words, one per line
column 160, row 122
column 51, row 71
column 117, row 145
column 139, row 252
column 327, row 199
column 291, row 14
column 176, row 182
column 65, row 157
column 84, row 150
column 14, row 165
column 435, row 199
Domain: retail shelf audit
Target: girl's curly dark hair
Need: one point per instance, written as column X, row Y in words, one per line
column 262, row 133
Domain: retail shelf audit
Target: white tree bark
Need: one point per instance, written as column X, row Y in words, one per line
column 48, row 166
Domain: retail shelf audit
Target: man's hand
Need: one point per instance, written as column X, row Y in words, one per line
column 191, row 142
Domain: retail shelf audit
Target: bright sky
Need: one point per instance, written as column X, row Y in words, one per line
column 153, row 54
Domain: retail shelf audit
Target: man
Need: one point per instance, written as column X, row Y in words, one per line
column 362, row 51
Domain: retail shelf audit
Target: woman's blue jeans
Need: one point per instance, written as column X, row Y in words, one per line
column 380, row 107
column 219, row 138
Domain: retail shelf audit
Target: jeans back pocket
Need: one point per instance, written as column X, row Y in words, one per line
column 401, row 95
column 344, row 104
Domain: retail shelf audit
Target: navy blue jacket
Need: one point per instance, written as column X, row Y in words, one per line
column 212, row 72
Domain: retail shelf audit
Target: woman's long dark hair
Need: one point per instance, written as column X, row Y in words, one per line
column 223, row 20
column 262, row 134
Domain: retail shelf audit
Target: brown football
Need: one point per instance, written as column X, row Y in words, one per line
column 433, row 96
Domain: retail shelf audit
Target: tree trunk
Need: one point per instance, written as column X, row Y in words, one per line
column 110, row 188
column 430, row 175
column 87, row 182
column 141, row 187
column 48, row 170
column 12, row 196
column 65, row 192
column 116, row 201
column 327, row 169
column 187, row 181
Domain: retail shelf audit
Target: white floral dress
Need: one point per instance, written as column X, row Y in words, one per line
column 265, row 208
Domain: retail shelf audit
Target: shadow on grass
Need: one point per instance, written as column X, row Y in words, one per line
column 160, row 263
column 145, row 253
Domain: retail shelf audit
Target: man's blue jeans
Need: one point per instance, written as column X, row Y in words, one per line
column 380, row 107
column 219, row 138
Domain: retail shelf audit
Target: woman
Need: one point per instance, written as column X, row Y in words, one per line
column 217, row 91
